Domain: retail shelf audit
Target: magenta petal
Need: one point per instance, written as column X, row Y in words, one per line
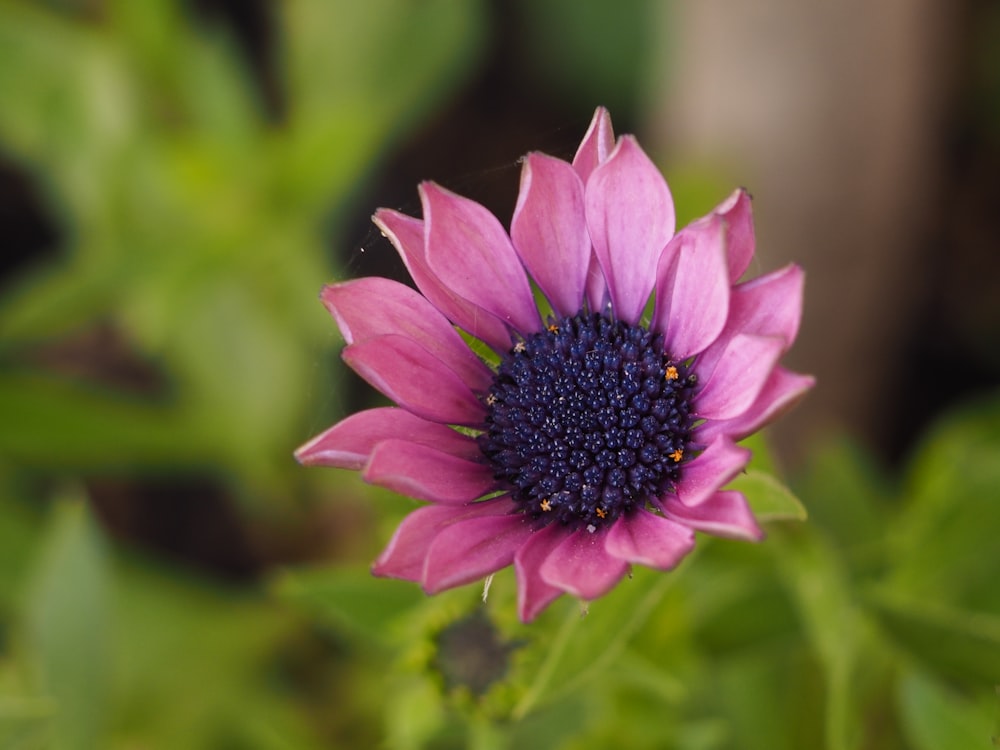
column 648, row 539
column 742, row 365
column 404, row 556
column 470, row 549
column 415, row 379
column 582, row 566
column 717, row 465
column 468, row 249
column 740, row 242
column 426, row 473
column 692, row 289
column 549, row 230
column 769, row 305
column 630, row 215
column 725, row 513
column 374, row 306
column 781, row 391
column 348, row 443
column 407, row 236
column 533, row 593
column 596, row 146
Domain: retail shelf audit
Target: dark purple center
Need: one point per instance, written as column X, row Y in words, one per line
column 588, row 420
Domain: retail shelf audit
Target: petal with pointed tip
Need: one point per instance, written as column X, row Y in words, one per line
column 769, row 305
column 581, row 565
column 742, row 366
column 740, row 243
column 596, row 146
column 630, row 215
column 349, row 443
column 404, row 556
column 473, row 548
column 469, row 251
column 549, row 230
column 717, row 465
column 407, row 235
column 692, row 288
column 725, row 514
column 533, row 593
column 415, row 379
column 426, row 473
column 648, row 539
column 373, row 306
column 782, row 390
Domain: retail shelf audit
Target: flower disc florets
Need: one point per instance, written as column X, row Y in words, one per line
column 588, row 420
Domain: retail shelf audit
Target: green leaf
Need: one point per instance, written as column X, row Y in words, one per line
column 25, row 718
column 943, row 543
column 53, row 423
column 833, row 624
column 934, row 718
column 583, row 646
column 349, row 598
column 359, row 73
column 957, row 643
column 68, row 626
column 200, row 665
column 769, row 499
column 415, row 716
column 847, row 494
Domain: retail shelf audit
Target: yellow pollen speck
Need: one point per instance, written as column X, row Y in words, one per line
column 677, row 455
column 519, row 347
column 672, row 373
column 553, row 328
column 546, row 506
column 491, row 399
column 601, row 513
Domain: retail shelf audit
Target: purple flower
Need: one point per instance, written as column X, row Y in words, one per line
column 601, row 438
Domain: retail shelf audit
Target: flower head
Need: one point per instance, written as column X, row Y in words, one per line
column 602, row 438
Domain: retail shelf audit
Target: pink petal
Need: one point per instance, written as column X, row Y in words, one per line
column 738, row 215
column 649, row 539
column 597, row 287
column 692, row 288
column 348, row 443
column 549, row 230
column 724, row 514
column 533, row 593
column 596, row 146
column 373, row 306
column 407, row 236
column 470, row 549
column 468, row 249
column 404, row 556
column 741, row 366
column 630, row 215
column 581, row 566
column 782, row 390
column 769, row 305
column 717, row 465
column 426, row 473
column 415, row 379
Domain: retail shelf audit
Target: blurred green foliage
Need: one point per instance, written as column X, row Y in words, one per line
column 873, row 626
column 194, row 226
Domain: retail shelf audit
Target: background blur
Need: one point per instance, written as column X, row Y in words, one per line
column 178, row 179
